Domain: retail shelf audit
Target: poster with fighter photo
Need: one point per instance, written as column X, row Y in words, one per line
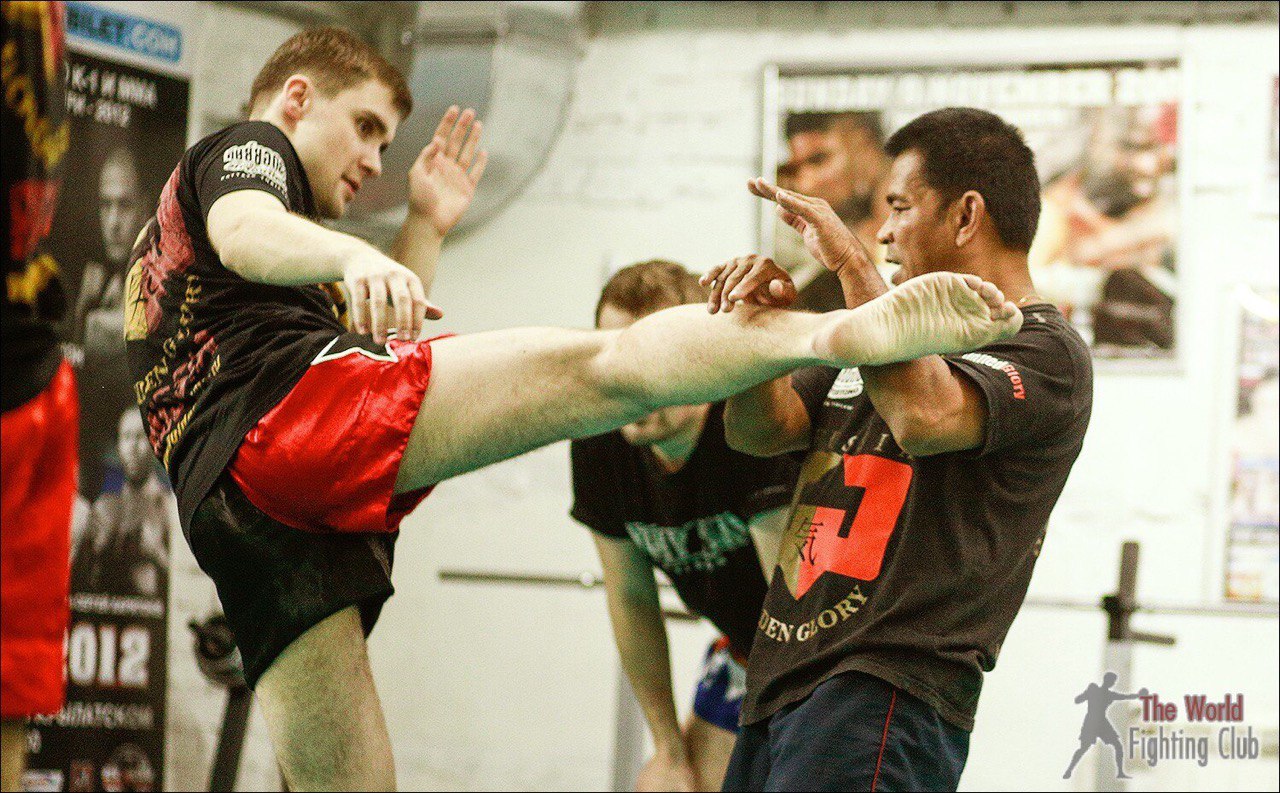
column 1253, row 534
column 128, row 131
column 1105, row 136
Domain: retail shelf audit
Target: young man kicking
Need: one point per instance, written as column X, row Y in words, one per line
column 296, row 446
column 666, row 492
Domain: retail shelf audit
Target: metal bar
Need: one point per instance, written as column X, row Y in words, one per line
column 586, row 580
column 589, row 580
column 1271, row 610
column 1225, row 610
column 235, row 721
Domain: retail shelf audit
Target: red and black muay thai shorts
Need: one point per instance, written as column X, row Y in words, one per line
column 303, row 522
column 39, row 460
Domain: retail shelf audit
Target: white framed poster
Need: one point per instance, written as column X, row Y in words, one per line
column 1105, row 135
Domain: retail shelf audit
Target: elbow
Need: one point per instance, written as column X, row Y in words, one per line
column 919, row 433
column 756, row 438
column 743, row 442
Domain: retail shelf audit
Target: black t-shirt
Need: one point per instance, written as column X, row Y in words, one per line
column 692, row 523
column 210, row 352
column 910, row 569
column 33, row 122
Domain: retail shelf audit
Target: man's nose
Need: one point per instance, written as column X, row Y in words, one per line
column 372, row 164
column 885, row 235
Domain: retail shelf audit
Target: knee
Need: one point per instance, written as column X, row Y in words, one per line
column 617, row 375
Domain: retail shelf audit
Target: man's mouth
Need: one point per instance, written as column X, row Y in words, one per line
column 355, row 186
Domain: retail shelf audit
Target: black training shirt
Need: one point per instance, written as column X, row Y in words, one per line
column 910, row 569
column 692, row 524
column 211, row 352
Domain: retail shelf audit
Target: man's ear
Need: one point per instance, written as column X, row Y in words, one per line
column 299, row 96
column 968, row 214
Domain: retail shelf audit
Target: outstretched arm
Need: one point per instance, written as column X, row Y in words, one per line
column 641, row 635
column 259, row 240
column 442, row 183
column 768, row 419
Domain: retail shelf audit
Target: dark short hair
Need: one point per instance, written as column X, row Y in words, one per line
column 646, row 287
column 868, row 120
column 964, row 149
column 336, row 59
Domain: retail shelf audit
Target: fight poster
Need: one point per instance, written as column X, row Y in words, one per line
column 1253, row 533
column 1105, row 136
column 128, row 131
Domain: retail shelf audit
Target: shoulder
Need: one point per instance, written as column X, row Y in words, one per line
column 249, row 141
column 1046, row 344
column 1044, row 326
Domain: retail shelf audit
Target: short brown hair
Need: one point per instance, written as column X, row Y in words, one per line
column 336, row 59
column 650, row 286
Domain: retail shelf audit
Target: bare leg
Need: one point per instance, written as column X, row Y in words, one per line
column 13, row 742
column 709, row 750
column 497, row 395
column 323, row 713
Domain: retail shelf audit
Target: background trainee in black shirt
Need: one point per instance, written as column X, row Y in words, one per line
column 693, row 524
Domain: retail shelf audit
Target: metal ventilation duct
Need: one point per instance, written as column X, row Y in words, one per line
column 515, row 63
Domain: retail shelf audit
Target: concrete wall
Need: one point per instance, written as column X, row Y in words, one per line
column 510, row 687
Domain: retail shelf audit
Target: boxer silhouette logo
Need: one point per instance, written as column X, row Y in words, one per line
column 1096, row 726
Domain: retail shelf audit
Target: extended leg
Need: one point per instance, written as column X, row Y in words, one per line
column 496, row 395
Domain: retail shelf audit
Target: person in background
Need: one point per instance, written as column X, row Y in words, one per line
column 123, row 546
column 838, row 157
column 665, row 492
column 96, row 334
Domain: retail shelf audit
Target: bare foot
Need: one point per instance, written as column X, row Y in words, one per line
column 938, row 313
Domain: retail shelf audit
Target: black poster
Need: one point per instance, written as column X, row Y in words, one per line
column 128, row 131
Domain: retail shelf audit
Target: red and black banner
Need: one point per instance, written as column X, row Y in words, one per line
column 128, row 131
